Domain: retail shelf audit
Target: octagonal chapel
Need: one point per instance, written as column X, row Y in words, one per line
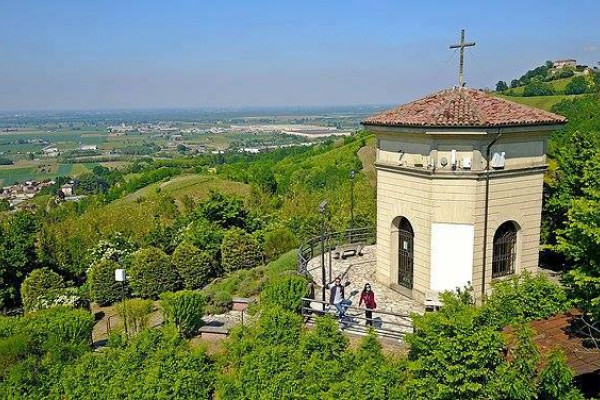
column 459, row 190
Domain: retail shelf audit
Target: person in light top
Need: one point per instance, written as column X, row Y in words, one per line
column 337, row 298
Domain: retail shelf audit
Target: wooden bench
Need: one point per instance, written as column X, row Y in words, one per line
column 348, row 250
column 213, row 332
column 240, row 303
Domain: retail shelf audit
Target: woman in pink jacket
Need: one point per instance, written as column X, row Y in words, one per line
column 368, row 297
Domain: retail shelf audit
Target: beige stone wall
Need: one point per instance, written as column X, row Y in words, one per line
column 410, row 197
column 424, row 196
column 517, row 198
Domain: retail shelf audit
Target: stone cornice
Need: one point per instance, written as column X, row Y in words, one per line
column 461, row 174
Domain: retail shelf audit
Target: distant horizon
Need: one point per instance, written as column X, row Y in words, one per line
column 195, row 108
column 150, row 54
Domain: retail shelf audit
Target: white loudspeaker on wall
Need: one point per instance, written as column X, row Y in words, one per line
column 466, row 163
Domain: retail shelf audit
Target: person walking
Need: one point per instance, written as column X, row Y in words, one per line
column 367, row 296
column 337, row 298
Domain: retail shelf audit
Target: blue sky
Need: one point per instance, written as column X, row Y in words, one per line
column 73, row 54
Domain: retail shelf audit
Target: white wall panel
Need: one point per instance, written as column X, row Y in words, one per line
column 451, row 255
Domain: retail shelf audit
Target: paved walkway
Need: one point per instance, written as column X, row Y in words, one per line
column 359, row 270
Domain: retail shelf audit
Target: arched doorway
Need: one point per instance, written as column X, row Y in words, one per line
column 406, row 247
column 504, row 258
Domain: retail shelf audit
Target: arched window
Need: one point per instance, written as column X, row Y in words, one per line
column 406, row 240
column 505, row 250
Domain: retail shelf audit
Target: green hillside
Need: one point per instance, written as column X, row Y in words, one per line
column 543, row 102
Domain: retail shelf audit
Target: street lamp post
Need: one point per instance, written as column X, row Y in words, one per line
column 322, row 208
column 352, row 176
column 120, row 277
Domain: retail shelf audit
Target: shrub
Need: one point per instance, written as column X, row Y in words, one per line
column 278, row 241
column 218, row 302
column 286, row 292
column 522, row 299
column 103, row 287
column 62, row 333
column 135, row 313
column 195, row 267
column 38, row 283
column 537, row 89
column 154, row 365
column 184, row 309
column 151, row 273
column 239, row 250
column 578, row 85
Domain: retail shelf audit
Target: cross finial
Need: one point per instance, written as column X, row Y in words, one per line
column 461, row 46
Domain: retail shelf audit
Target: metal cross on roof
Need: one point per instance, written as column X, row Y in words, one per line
column 461, row 46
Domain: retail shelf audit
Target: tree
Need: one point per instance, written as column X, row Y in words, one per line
column 578, row 85
column 501, row 86
column 225, row 211
column 151, row 273
column 537, row 88
column 514, row 83
column 184, row 309
column 239, row 250
column 18, row 256
column 195, row 267
column 103, row 287
column 278, row 241
column 37, row 284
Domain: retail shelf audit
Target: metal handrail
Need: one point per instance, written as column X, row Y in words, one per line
column 308, row 313
column 311, row 248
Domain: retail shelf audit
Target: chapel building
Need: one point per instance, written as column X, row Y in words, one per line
column 459, row 190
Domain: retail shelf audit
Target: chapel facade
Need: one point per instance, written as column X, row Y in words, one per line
column 459, row 191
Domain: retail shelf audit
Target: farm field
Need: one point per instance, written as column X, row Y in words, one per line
column 24, row 171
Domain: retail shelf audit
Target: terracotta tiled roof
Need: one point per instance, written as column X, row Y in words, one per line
column 462, row 107
column 556, row 332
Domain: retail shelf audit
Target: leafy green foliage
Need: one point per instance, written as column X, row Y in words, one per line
column 135, row 313
column 556, row 379
column 17, row 254
column 195, row 267
column 454, row 354
column 38, row 283
column 286, row 292
column 225, row 211
column 239, row 250
column 537, row 88
column 154, row 365
column 524, row 298
column 501, row 86
column 278, row 241
column 578, row 85
column 151, row 273
column 184, row 309
column 103, row 287
column 571, row 213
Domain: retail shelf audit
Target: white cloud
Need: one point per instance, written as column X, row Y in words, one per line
column 591, row 48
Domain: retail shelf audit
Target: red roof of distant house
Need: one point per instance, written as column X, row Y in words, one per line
column 554, row 332
column 462, row 107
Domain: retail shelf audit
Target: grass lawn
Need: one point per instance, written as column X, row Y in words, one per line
column 543, row 102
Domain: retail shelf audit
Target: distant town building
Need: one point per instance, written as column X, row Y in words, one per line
column 51, row 151
column 558, row 64
column 68, row 189
column 87, row 147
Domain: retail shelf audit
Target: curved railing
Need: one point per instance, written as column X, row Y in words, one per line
column 333, row 241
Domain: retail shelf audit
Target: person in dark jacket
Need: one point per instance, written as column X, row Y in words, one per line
column 337, row 297
column 368, row 297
